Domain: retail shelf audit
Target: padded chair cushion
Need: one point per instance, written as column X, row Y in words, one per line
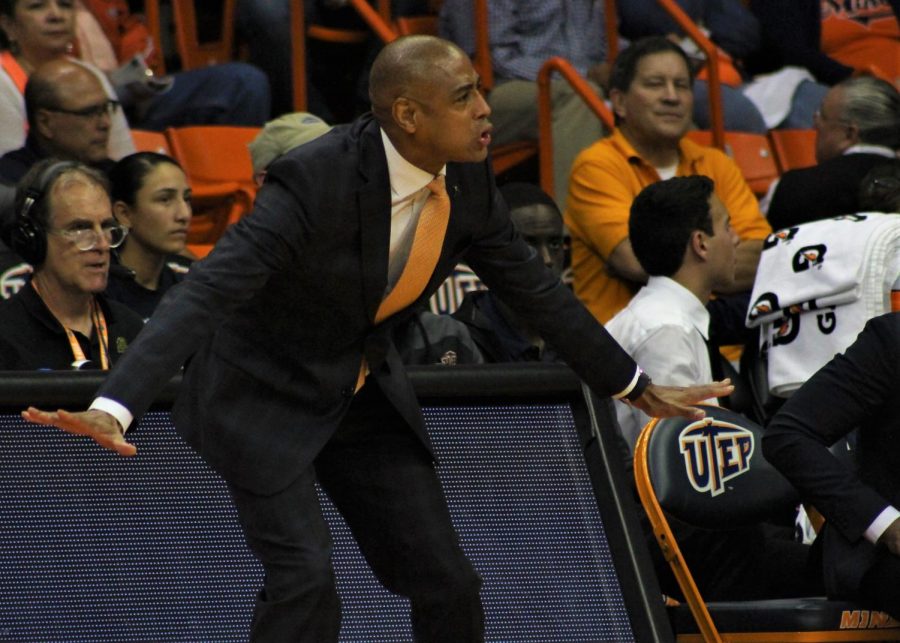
column 697, row 467
column 786, row 615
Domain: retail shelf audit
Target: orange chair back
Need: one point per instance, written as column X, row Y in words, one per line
column 794, row 148
column 751, row 152
column 217, row 163
column 214, row 153
column 149, row 141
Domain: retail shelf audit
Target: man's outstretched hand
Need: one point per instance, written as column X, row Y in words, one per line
column 100, row 426
column 667, row 401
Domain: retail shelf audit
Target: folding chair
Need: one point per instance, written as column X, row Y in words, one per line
column 217, row 163
column 752, row 153
column 794, row 148
column 711, row 474
column 194, row 53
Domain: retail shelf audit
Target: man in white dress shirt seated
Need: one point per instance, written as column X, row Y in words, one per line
column 681, row 234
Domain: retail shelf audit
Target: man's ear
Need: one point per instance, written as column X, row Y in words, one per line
column 698, row 244
column 617, row 98
column 8, row 25
column 853, row 134
column 404, row 112
column 42, row 121
column 122, row 213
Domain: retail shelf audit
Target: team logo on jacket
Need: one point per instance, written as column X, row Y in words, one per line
column 765, row 304
column 12, row 280
column 809, row 256
column 779, row 236
column 715, row 454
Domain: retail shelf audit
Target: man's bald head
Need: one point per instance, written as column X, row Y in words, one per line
column 406, row 67
column 69, row 112
column 52, row 82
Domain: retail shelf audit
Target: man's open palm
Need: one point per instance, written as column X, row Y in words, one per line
column 100, row 426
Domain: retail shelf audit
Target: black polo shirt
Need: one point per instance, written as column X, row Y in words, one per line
column 32, row 339
column 123, row 288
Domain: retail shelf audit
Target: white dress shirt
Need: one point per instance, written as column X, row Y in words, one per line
column 664, row 328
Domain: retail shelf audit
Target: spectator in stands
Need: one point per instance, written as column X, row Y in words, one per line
column 230, row 93
column 483, row 328
column 500, row 334
column 681, row 234
column 152, row 199
column 652, row 99
column 32, row 34
column 65, row 228
column 857, row 128
column 786, row 99
column 857, row 390
column 832, row 40
column 524, row 34
column 280, row 135
column 69, row 117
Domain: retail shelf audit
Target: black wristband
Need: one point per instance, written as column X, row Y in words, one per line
column 639, row 387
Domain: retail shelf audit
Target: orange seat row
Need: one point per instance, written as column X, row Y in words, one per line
column 762, row 158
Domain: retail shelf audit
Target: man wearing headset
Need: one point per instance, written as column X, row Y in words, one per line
column 64, row 227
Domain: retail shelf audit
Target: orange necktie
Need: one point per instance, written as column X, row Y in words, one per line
column 423, row 257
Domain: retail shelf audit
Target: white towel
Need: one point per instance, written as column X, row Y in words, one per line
column 817, row 284
column 813, row 265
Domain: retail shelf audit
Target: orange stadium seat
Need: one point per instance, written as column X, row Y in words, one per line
column 794, row 148
column 149, row 141
column 217, row 163
column 752, row 153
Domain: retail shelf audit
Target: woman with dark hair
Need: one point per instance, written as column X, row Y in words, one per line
column 151, row 197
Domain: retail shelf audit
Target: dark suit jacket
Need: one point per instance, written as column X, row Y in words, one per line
column 860, row 388
column 821, row 191
column 276, row 320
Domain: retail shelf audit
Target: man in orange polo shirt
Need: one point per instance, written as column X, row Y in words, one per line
column 652, row 100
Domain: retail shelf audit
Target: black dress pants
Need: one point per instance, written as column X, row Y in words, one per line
column 382, row 480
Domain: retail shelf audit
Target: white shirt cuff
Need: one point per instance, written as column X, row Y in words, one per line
column 115, row 409
column 881, row 523
column 628, row 389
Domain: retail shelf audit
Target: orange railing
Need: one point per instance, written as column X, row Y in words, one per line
column 377, row 20
column 482, row 57
column 545, row 117
column 717, row 121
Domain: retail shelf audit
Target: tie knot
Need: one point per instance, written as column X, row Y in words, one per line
column 437, row 186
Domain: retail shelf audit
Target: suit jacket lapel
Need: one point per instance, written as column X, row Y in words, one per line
column 374, row 201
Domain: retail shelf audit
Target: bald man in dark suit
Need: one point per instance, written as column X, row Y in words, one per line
column 277, row 321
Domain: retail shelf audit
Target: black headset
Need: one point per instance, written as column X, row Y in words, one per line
column 27, row 236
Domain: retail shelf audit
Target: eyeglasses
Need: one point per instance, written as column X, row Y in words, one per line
column 820, row 117
column 87, row 238
column 107, row 108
